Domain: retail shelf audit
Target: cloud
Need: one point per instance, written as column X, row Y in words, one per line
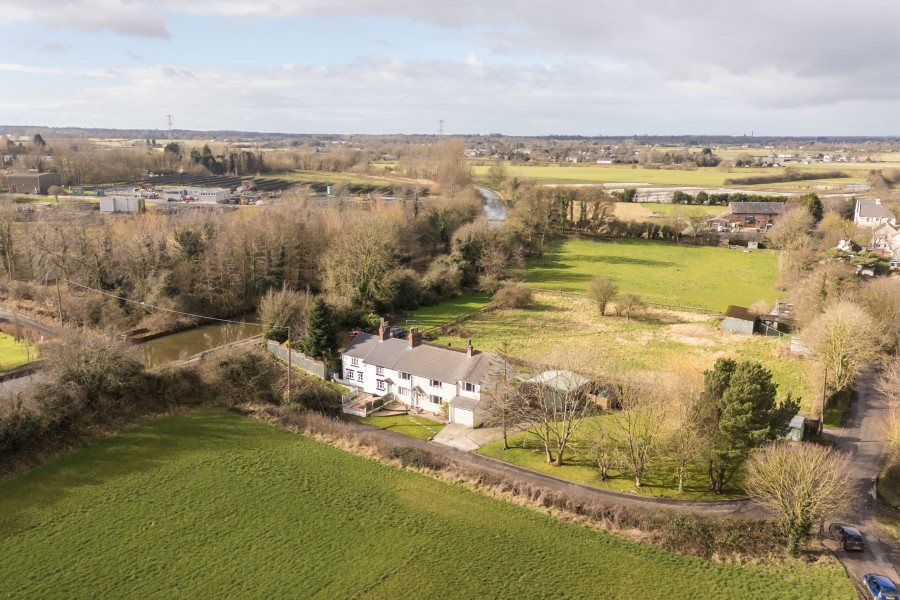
column 116, row 16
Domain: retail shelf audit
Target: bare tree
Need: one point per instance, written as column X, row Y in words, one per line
column 55, row 191
column 845, row 340
column 282, row 311
column 602, row 291
column 500, row 396
column 604, row 450
column 638, row 424
column 689, row 439
column 791, row 232
column 629, row 305
column 803, row 483
column 696, row 219
column 554, row 404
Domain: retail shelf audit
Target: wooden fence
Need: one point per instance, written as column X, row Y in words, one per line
column 298, row 360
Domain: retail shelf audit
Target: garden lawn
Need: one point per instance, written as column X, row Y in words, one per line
column 690, row 276
column 428, row 317
column 423, row 429
column 15, row 353
column 212, row 504
column 525, row 450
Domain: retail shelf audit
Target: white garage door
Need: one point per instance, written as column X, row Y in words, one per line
column 462, row 417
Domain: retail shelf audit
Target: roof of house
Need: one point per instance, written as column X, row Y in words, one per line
column 464, row 403
column 564, row 381
column 756, row 208
column 739, row 312
column 425, row 360
column 872, row 209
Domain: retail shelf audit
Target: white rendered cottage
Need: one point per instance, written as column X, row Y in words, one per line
column 419, row 375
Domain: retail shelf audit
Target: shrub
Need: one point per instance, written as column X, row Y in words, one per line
column 244, row 376
column 414, row 457
column 19, row 429
column 513, row 295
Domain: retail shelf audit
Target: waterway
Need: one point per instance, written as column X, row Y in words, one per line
column 181, row 345
column 494, row 208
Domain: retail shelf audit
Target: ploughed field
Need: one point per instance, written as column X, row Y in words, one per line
column 212, row 504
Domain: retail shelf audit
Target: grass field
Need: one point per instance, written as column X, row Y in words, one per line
column 212, row 504
column 626, row 175
column 659, row 343
column 659, row 272
column 660, row 481
column 634, row 211
column 15, row 354
column 434, row 316
column 423, row 429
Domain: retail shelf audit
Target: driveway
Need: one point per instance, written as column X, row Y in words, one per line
column 863, row 439
column 27, row 323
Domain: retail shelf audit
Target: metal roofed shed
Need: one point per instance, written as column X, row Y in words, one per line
column 739, row 320
column 796, row 428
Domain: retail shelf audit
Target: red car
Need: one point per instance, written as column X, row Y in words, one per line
column 355, row 332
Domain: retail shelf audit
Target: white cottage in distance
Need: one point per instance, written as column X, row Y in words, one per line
column 420, row 375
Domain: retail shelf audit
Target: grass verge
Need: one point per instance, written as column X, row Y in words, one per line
column 416, row 427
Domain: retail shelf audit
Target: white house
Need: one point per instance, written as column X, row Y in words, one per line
column 423, row 376
column 872, row 213
column 886, row 236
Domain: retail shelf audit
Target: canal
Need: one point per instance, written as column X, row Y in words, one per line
column 181, row 345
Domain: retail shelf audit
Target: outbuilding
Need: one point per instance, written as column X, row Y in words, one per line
column 33, row 183
column 740, row 320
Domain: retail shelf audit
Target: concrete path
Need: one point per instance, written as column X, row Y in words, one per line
column 456, row 436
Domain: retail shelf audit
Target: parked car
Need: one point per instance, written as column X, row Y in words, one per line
column 881, row 587
column 397, row 332
column 849, row 537
column 355, row 332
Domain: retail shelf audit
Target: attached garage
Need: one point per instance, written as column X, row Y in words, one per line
column 463, row 411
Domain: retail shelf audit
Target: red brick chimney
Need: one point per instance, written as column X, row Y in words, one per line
column 384, row 330
column 469, row 348
column 414, row 338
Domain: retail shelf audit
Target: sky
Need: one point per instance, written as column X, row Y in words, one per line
column 580, row 67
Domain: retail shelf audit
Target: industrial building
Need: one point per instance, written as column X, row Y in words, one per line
column 195, row 194
column 122, row 204
column 33, row 183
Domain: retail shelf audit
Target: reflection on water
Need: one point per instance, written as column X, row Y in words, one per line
column 494, row 208
column 187, row 343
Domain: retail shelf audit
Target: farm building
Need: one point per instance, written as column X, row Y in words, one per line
column 33, row 183
column 122, row 204
column 739, row 320
column 753, row 214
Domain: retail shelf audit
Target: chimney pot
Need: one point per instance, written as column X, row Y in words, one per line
column 469, row 349
column 384, row 330
column 414, row 338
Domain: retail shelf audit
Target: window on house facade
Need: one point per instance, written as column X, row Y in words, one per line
column 468, row 387
column 359, row 375
column 380, row 385
column 350, row 374
column 354, row 362
column 379, row 371
column 435, row 383
column 406, row 376
column 403, row 391
column 435, row 399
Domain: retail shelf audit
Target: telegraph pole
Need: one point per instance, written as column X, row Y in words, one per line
column 824, row 395
column 59, row 303
column 440, row 128
column 289, row 365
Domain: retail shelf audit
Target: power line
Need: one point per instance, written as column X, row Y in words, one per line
column 177, row 312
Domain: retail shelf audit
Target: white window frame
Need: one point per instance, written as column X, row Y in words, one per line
column 381, row 385
column 435, row 399
column 436, row 384
column 406, row 376
column 468, row 387
column 354, row 362
column 402, row 391
column 379, row 371
column 349, row 374
column 359, row 376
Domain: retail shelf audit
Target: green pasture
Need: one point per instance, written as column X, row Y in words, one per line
column 664, row 273
column 416, row 427
column 435, row 316
column 215, row 505
column 15, row 353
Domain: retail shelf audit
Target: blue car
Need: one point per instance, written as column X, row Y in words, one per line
column 882, row 588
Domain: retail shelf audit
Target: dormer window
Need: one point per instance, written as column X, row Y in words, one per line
column 435, row 383
column 468, row 387
column 406, row 376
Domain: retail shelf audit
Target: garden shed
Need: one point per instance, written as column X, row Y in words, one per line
column 740, row 320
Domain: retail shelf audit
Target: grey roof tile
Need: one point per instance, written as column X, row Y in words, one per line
column 464, row 403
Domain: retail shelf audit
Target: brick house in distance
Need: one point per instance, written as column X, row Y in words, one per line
column 753, row 214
